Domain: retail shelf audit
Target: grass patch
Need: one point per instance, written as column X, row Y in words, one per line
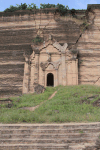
column 81, row 131
column 65, row 106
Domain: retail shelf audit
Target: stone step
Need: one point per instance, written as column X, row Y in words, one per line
column 45, row 146
column 50, row 131
column 72, row 136
column 53, row 140
column 43, row 136
column 81, row 146
column 51, row 126
column 38, row 146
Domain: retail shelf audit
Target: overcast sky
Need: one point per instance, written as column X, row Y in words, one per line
column 76, row 4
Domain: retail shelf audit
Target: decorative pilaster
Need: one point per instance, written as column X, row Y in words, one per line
column 56, row 78
column 63, row 68
column 32, row 72
column 76, row 71
column 36, row 75
column 26, row 75
column 43, row 80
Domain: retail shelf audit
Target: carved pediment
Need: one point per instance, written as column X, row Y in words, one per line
column 50, row 43
column 49, row 49
column 60, row 48
column 50, row 67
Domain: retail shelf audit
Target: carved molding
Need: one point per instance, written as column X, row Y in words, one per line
column 44, row 65
column 26, row 56
column 60, row 48
column 35, row 49
column 32, row 56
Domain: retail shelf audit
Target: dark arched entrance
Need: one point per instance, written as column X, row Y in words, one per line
column 50, row 79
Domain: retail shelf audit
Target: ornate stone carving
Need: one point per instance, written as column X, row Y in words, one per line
column 49, row 59
column 50, row 37
column 60, row 48
column 35, row 49
column 32, row 56
column 26, row 57
column 44, row 65
column 63, row 48
column 56, row 64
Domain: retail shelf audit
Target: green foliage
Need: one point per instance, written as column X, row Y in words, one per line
column 84, row 26
column 11, row 9
column 60, row 8
column 73, row 11
column 81, row 131
column 43, row 6
column 65, row 106
column 37, row 40
column 32, row 6
column 20, row 7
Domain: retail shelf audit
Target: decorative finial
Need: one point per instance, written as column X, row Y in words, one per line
column 50, row 37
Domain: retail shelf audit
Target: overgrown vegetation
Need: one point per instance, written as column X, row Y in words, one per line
column 37, row 40
column 84, row 26
column 70, row 104
column 21, row 7
column 62, row 9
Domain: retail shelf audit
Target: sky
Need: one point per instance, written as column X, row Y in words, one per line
column 76, row 4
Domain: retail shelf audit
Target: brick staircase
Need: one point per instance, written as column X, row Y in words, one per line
column 75, row 136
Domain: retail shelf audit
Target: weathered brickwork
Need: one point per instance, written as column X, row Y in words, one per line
column 89, row 50
column 69, row 53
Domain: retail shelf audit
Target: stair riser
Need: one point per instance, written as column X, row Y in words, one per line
column 34, row 148
column 51, row 127
column 7, row 136
column 48, row 131
column 48, row 137
column 45, row 141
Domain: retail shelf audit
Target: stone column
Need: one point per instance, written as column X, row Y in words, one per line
column 36, row 75
column 26, row 75
column 75, row 72
column 63, row 68
column 56, row 78
column 76, row 66
column 32, row 76
column 43, row 78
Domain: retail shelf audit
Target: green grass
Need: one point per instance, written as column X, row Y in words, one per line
column 81, row 131
column 65, row 106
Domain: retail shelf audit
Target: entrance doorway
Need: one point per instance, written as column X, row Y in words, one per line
column 50, row 79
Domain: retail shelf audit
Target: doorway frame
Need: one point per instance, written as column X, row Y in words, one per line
column 52, row 79
column 46, row 73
